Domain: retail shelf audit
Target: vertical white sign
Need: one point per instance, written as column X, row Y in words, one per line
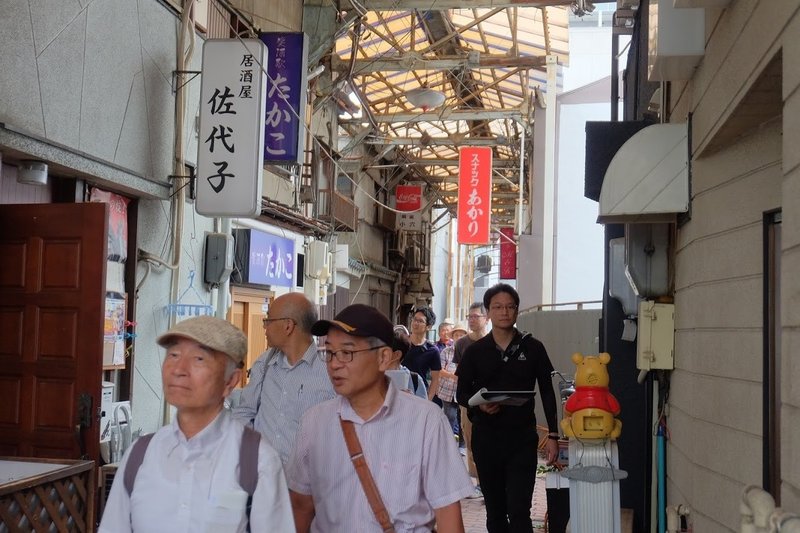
column 230, row 154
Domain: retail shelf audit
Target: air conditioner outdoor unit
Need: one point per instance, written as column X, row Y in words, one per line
column 317, row 260
column 483, row 264
column 386, row 218
column 306, row 194
column 413, row 258
column 107, row 473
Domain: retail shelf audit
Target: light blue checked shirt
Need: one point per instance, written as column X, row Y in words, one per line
column 278, row 394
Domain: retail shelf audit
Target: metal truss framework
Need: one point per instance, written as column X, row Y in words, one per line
column 487, row 57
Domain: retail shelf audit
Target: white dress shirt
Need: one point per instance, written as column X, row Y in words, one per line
column 411, row 453
column 274, row 409
column 193, row 486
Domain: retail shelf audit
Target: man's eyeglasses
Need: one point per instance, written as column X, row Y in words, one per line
column 343, row 356
column 511, row 307
column 474, row 317
column 266, row 321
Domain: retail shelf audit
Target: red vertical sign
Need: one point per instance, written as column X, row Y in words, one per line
column 508, row 254
column 474, row 194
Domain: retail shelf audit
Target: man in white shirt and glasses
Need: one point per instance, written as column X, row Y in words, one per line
column 406, row 441
column 288, row 378
column 188, row 476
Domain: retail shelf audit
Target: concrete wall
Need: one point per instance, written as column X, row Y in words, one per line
column 93, row 80
column 563, row 333
column 715, row 408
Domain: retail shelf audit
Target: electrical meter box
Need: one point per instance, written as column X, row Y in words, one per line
column 218, row 258
column 656, row 347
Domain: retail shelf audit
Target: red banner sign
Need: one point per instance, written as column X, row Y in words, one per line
column 508, row 254
column 474, row 194
column 409, row 197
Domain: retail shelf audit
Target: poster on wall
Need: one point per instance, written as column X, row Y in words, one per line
column 117, row 222
column 114, row 330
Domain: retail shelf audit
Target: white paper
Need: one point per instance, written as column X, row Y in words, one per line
column 515, row 398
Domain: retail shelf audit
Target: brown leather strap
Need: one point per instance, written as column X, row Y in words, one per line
column 365, row 476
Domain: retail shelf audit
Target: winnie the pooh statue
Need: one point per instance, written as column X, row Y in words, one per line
column 589, row 412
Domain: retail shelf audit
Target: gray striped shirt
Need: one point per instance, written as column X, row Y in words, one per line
column 278, row 394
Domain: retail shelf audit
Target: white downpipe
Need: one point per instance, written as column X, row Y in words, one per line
column 785, row 522
column 759, row 514
column 755, row 508
column 520, row 208
column 183, row 57
column 674, row 514
column 549, row 186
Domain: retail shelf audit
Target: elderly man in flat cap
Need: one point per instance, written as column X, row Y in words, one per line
column 375, row 458
column 204, row 471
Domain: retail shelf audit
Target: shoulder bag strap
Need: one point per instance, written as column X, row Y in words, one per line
column 365, row 476
column 271, row 352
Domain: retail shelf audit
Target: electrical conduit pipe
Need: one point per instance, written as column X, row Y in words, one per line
column 661, row 474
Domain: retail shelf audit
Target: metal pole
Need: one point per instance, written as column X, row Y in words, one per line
column 520, row 214
column 614, row 76
column 549, row 186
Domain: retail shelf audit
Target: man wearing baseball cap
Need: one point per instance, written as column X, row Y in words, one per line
column 406, row 442
column 188, row 476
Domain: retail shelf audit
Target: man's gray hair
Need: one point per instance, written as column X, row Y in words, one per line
column 231, row 366
column 308, row 317
column 375, row 342
column 478, row 305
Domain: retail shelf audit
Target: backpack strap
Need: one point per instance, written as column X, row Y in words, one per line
column 248, row 460
column 248, row 463
column 135, row 459
column 248, row 466
column 415, row 380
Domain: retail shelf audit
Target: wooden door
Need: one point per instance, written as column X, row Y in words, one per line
column 52, row 294
column 247, row 312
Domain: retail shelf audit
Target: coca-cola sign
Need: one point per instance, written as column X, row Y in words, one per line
column 408, row 197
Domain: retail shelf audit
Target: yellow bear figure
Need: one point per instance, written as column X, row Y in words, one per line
column 590, row 410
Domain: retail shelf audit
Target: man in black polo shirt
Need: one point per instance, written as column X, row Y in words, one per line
column 504, row 438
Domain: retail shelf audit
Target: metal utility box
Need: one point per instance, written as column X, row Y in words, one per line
column 656, row 347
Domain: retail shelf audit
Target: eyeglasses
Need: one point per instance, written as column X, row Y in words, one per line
column 265, row 321
column 419, row 321
column 511, row 307
column 475, row 316
column 343, row 356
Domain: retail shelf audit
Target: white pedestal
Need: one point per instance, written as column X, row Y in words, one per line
column 594, row 507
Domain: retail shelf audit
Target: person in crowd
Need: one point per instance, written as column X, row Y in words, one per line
column 504, row 437
column 476, row 322
column 406, row 443
column 288, row 378
column 401, row 376
column 445, row 334
column 448, row 380
column 185, row 477
column 423, row 356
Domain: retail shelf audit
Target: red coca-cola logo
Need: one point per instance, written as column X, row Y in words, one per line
column 409, row 197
